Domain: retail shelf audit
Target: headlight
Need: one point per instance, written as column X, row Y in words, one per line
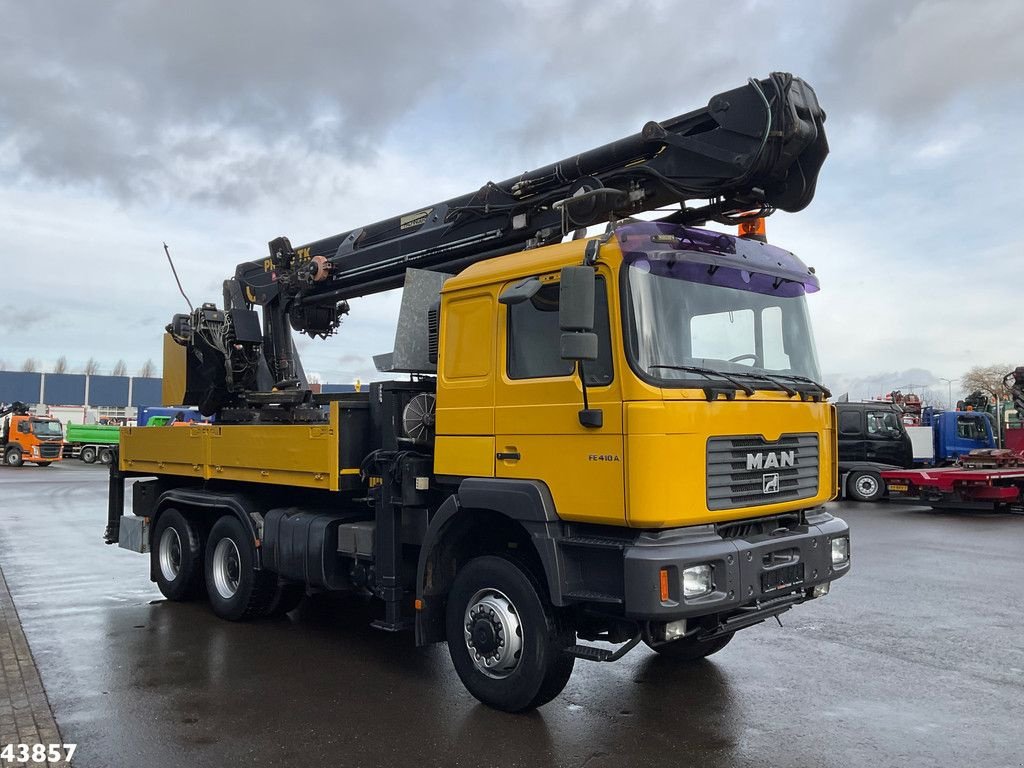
column 840, row 550
column 697, row 581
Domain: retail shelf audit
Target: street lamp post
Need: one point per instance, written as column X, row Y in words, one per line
column 949, row 392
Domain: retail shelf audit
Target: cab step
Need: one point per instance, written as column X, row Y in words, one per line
column 593, row 653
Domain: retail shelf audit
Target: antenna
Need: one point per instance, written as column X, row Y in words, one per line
column 171, row 262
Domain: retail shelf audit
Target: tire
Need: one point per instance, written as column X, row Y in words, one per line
column 106, row 456
column 865, row 486
column 13, row 457
column 286, row 598
column 176, row 553
column 691, row 649
column 513, row 682
column 237, row 591
column 88, row 454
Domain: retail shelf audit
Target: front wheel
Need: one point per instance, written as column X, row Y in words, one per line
column 504, row 637
column 865, row 486
column 13, row 457
column 690, row 648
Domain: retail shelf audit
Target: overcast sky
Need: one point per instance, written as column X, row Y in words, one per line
column 218, row 126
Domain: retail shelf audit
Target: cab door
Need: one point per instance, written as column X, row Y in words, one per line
column 538, row 396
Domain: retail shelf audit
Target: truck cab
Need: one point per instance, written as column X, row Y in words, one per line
column 872, row 439
column 33, row 439
column 959, row 432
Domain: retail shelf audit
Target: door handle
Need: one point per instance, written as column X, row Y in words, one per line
column 510, row 456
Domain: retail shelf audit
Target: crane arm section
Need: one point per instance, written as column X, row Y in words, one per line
column 756, row 149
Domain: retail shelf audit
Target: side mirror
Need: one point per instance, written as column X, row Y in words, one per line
column 576, row 313
column 576, row 299
column 576, row 319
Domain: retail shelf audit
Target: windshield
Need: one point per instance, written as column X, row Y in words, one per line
column 46, row 428
column 693, row 313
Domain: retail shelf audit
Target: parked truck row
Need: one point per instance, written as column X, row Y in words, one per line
column 42, row 435
column 874, row 436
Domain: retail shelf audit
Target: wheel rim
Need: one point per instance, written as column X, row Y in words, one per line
column 494, row 636
column 227, row 568
column 170, row 554
column 12, row 458
column 867, row 485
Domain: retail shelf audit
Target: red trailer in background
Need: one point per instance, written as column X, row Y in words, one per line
column 985, row 480
column 1014, row 439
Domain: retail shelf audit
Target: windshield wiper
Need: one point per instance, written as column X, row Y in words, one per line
column 708, row 372
column 825, row 391
column 765, row 377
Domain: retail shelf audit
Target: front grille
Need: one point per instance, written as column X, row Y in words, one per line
column 50, row 450
column 742, row 470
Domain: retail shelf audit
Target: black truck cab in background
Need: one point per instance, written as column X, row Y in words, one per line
column 872, row 438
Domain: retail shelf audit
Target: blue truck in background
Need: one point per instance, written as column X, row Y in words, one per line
column 945, row 436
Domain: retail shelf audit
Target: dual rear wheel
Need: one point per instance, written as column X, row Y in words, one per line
column 186, row 563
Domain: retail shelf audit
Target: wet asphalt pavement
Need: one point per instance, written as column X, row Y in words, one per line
column 915, row 659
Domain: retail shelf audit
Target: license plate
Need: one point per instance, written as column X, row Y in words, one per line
column 899, row 487
column 781, row 578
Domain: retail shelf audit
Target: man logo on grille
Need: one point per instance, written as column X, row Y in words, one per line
column 781, row 459
column 770, row 482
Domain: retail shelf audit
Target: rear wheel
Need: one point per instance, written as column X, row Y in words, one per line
column 690, row 648
column 865, row 486
column 106, row 456
column 236, row 589
column 177, row 553
column 13, row 457
column 504, row 637
column 88, row 454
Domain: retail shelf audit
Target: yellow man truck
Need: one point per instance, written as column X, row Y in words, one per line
column 594, row 442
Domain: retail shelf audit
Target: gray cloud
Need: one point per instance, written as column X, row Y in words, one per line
column 222, row 105
column 133, row 98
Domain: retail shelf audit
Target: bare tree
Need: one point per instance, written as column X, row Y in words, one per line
column 988, row 379
column 61, row 366
column 120, row 368
column 31, row 365
column 148, row 370
column 91, row 367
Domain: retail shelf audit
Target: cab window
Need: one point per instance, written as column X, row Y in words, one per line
column 534, row 337
column 849, row 422
column 883, row 424
column 970, row 428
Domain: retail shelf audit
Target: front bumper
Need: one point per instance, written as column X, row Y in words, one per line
column 747, row 572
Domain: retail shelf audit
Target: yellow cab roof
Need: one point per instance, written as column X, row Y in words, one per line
column 532, row 262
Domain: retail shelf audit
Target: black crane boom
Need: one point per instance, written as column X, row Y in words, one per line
column 756, row 148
